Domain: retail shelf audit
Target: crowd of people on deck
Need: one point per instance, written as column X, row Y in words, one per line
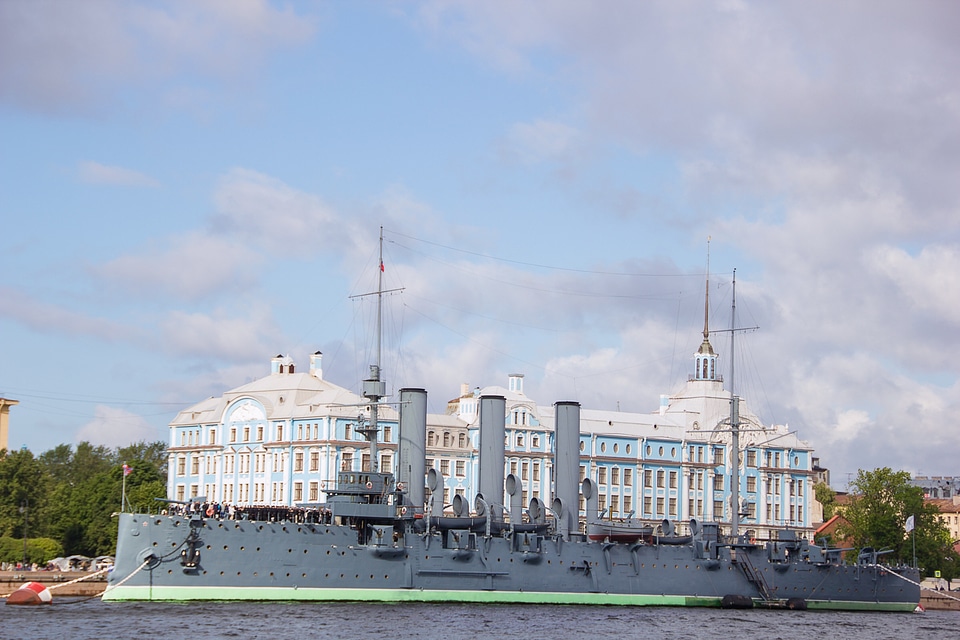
column 258, row 513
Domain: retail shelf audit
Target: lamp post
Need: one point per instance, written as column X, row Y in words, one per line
column 24, row 509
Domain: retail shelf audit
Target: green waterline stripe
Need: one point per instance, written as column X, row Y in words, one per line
column 141, row 593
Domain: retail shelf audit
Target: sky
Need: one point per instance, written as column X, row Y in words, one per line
column 188, row 189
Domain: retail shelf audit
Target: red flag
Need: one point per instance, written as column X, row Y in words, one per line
column 381, row 266
column 127, row 470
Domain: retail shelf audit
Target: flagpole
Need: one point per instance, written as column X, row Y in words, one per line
column 913, row 536
column 123, row 490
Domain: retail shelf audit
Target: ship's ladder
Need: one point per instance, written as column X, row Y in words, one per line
column 754, row 576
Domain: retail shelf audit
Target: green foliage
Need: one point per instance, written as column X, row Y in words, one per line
column 877, row 514
column 71, row 493
column 23, row 486
column 39, row 550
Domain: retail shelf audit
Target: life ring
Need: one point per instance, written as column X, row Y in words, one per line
column 399, row 486
column 369, row 485
column 403, row 511
column 210, row 512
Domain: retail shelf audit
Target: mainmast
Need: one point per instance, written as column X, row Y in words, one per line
column 374, row 388
column 734, row 423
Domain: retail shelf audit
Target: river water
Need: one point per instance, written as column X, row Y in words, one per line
column 93, row 619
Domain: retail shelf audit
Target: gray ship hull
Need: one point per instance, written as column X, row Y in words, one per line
column 177, row 558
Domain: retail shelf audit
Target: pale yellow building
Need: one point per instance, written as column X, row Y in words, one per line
column 5, row 404
column 949, row 514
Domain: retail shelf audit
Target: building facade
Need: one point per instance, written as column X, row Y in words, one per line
column 281, row 440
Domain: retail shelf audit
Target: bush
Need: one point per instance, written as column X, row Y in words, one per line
column 39, row 550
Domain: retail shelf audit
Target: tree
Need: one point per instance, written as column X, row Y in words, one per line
column 882, row 501
column 87, row 491
column 23, row 483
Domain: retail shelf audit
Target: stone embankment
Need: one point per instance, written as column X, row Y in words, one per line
column 10, row 581
column 940, row 600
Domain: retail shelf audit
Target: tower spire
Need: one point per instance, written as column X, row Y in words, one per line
column 706, row 357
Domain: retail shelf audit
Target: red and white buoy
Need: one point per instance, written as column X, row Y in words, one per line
column 31, row 593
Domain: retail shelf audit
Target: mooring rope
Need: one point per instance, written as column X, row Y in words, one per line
column 132, row 573
column 906, row 579
column 63, row 584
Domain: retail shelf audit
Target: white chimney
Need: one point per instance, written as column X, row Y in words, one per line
column 316, row 365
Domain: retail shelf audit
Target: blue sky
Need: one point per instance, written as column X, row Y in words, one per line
column 189, row 188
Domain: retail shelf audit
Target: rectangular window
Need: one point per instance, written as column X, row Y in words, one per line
column 386, row 463
column 298, row 461
column 525, row 470
column 647, row 478
column 627, row 504
column 659, row 512
column 602, row 475
column 752, row 484
column 387, row 433
column 180, row 490
column 628, row 477
column 752, row 458
column 445, row 467
column 461, row 468
column 346, row 462
column 365, row 462
column 246, row 434
column 536, row 471
column 314, row 460
column 615, row 477
column 279, row 432
column 718, row 482
column 673, row 507
column 297, row 491
column 660, row 481
column 314, row 492
column 673, row 479
column 718, row 509
column 348, row 431
column 181, row 466
column 233, row 434
column 647, row 507
column 213, row 436
column 615, row 505
column 718, row 455
column 583, row 473
column 260, row 434
column 602, row 502
column 194, row 465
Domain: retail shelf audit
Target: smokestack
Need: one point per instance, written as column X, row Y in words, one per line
column 493, row 411
column 566, row 464
column 411, row 444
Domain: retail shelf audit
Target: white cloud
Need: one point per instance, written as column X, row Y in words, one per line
column 189, row 267
column 267, row 213
column 115, row 427
column 96, row 173
column 540, row 141
column 930, row 280
column 230, row 336
column 59, row 318
column 64, row 56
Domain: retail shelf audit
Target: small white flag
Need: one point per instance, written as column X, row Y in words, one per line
column 909, row 525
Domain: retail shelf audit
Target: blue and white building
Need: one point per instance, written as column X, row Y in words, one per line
column 280, row 440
